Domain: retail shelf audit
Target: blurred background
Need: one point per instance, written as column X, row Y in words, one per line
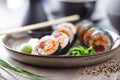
column 16, row 13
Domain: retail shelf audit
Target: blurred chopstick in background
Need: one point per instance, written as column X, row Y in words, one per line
column 42, row 25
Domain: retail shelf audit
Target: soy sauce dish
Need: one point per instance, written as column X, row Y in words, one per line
column 69, row 45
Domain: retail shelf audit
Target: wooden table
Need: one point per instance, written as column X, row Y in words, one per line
column 60, row 73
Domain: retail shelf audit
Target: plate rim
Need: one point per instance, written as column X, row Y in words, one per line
column 57, row 56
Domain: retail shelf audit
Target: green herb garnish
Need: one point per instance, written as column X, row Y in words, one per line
column 79, row 51
column 5, row 65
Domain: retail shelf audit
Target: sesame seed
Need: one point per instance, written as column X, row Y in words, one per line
column 106, row 69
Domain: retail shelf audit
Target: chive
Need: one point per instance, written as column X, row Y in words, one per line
column 9, row 66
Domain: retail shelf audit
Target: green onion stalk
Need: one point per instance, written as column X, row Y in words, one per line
column 6, row 66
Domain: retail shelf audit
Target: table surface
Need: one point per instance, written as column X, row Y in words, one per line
column 61, row 73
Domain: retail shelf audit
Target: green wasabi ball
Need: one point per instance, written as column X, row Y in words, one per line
column 26, row 48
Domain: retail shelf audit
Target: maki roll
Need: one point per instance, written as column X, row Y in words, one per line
column 63, row 40
column 80, row 24
column 48, row 45
column 66, row 31
column 101, row 41
column 70, row 26
column 89, row 34
column 84, row 29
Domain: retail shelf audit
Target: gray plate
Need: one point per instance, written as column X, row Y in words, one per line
column 12, row 45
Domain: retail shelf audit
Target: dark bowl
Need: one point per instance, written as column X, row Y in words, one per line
column 38, row 34
column 82, row 7
column 115, row 21
column 113, row 12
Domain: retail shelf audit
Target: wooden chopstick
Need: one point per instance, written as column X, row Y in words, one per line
column 41, row 25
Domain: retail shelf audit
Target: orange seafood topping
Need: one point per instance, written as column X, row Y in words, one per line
column 82, row 33
column 64, row 31
column 88, row 35
column 49, row 46
column 79, row 26
column 61, row 42
column 69, row 27
column 60, row 37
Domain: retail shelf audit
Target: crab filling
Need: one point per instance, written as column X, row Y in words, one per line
column 49, row 46
column 62, row 38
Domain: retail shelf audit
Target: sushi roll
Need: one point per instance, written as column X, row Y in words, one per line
column 91, row 32
column 70, row 26
column 63, row 40
column 101, row 41
column 84, row 29
column 66, row 31
column 48, row 45
column 80, row 24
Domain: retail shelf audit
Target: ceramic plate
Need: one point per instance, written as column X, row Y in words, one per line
column 12, row 45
